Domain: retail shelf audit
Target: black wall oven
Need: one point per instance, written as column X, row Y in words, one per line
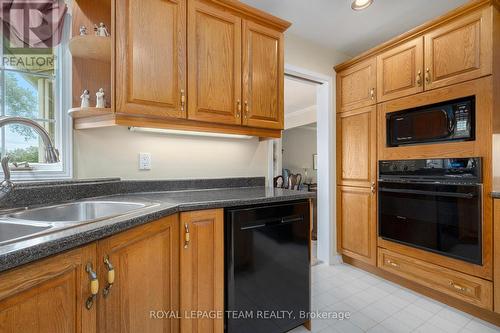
column 435, row 205
column 446, row 121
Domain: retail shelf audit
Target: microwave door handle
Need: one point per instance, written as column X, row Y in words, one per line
column 434, row 193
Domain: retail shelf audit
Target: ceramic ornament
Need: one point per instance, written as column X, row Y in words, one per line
column 83, row 30
column 101, row 99
column 101, row 30
column 85, row 97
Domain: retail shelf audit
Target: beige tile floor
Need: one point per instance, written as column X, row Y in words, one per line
column 377, row 305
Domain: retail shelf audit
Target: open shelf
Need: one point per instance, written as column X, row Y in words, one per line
column 76, row 113
column 91, row 47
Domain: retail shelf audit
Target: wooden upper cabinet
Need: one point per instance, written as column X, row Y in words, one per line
column 49, row 296
column 214, row 64
column 263, row 76
column 460, row 50
column 151, row 57
column 357, row 147
column 145, row 260
column 400, row 70
column 356, row 86
column 357, row 223
column 202, row 269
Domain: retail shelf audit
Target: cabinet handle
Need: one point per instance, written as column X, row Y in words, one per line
column 392, row 263
column 427, row 75
column 238, row 108
column 111, row 276
column 419, row 78
column 183, row 99
column 372, row 187
column 372, row 93
column 246, row 109
column 458, row 287
column 94, row 286
column 187, row 237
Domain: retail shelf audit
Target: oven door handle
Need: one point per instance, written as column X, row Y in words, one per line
column 434, row 193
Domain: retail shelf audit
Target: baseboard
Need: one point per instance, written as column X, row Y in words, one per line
column 483, row 314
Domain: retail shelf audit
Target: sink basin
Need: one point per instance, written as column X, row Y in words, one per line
column 75, row 212
column 12, row 231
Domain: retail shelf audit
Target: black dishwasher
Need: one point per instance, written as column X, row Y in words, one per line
column 267, row 268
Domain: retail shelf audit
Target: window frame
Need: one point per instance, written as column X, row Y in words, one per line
column 62, row 103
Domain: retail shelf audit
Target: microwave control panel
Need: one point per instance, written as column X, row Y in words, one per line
column 462, row 112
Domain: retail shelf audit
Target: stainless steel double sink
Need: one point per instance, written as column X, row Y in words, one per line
column 25, row 223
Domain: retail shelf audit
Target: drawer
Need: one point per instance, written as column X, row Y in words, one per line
column 467, row 288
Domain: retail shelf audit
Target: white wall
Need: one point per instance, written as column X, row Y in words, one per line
column 301, row 117
column 303, row 54
column 299, row 145
column 113, row 152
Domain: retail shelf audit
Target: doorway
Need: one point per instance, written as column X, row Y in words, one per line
column 308, row 117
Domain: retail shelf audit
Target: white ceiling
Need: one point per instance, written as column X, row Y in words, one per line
column 332, row 23
column 299, row 95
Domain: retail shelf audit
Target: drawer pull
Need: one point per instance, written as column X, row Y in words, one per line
column 187, row 236
column 419, row 78
column 392, row 263
column 94, row 286
column 458, row 287
column 111, row 276
column 238, row 108
column 183, row 99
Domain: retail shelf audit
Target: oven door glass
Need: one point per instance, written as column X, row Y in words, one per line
column 419, row 126
column 445, row 219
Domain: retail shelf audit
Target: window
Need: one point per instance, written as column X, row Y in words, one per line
column 35, row 83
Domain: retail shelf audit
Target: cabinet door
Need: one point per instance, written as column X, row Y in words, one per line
column 356, row 223
column 400, row 71
column 459, row 51
column 357, row 147
column 145, row 260
column 202, row 269
column 214, row 65
column 356, row 86
column 150, row 57
column 49, row 296
column 263, row 75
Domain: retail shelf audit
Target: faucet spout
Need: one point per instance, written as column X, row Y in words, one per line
column 51, row 153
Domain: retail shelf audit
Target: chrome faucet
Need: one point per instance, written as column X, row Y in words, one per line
column 51, row 153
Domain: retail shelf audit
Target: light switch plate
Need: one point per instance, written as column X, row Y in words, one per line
column 144, row 161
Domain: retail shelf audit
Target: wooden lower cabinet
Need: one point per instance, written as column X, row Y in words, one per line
column 49, row 296
column 465, row 287
column 202, row 270
column 356, row 223
column 146, row 265
column 141, row 288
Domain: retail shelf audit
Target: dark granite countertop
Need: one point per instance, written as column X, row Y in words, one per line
column 169, row 198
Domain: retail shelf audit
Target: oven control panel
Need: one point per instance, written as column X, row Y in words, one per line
column 446, row 169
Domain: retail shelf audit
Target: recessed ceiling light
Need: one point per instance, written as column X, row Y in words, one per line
column 361, row 4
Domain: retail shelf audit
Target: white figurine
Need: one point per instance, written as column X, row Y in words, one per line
column 101, row 30
column 85, row 99
column 101, row 99
column 83, row 30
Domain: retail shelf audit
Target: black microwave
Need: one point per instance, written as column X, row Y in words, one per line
column 448, row 121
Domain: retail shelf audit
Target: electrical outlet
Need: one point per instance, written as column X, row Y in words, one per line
column 144, row 161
